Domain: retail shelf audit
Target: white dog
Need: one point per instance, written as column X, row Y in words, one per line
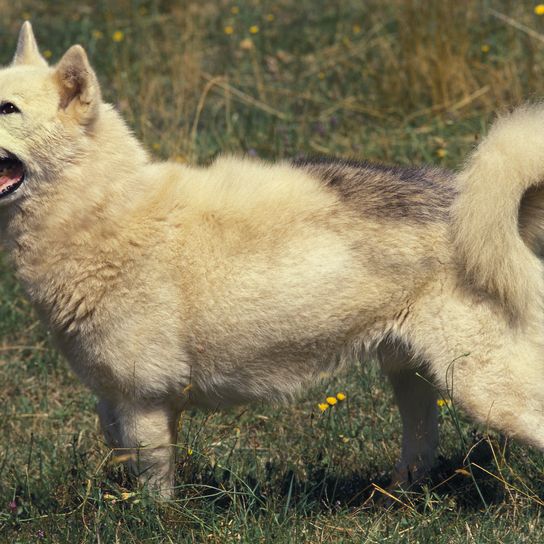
column 167, row 285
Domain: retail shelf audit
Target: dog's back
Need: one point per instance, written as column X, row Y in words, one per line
column 395, row 193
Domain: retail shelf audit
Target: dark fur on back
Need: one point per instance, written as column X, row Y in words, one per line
column 394, row 192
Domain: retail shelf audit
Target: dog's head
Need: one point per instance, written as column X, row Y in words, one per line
column 45, row 114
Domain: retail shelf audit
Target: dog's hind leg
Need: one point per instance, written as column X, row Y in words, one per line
column 108, row 422
column 416, row 398
column 144, row 434
column 490, row 366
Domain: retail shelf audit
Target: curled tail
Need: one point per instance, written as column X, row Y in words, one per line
column 497, row 209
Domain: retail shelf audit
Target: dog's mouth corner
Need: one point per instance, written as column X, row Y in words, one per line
column 12, row 173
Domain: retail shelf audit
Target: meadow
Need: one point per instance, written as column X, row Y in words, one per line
column 407, row 81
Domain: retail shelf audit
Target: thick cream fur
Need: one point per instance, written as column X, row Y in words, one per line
column 486, row 216
column 168, row 286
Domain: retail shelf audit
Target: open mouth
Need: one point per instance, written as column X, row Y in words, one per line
column 12, row 174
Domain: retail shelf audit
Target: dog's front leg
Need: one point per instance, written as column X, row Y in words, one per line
column 144, row 433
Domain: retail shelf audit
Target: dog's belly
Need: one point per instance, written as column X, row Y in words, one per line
column 263, row 332
column 276, row 363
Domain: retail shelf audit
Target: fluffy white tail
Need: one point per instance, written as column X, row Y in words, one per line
column 486, row 222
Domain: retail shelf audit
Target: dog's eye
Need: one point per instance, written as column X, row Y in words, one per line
column 7, row 108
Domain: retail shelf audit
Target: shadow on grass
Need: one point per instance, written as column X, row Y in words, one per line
column 468, row 482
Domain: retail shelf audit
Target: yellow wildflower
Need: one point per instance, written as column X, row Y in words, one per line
column 331, row 400
column 356, row 28
column 228, row 30
column 441, row 152
column 341, row 396
column 235, row 10
column 539, row 9
column 485, row 48
column 47, row 54
column 97, row 34
column 270, row 17
column 118, row 36
column 189, row 451
column 323, row 406
column 253, row 29
column 442, row 402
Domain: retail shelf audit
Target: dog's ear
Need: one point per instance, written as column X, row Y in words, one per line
column 27, row 49
column 78, row 86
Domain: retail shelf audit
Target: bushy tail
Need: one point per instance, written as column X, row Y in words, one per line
column 507, row 165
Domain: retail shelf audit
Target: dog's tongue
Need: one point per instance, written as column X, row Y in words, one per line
column 10, row 174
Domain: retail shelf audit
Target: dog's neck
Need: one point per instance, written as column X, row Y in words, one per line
column 87, row 185
column 82, row 204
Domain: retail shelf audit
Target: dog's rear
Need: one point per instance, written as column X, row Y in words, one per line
column 477, row 325
column 480, row 329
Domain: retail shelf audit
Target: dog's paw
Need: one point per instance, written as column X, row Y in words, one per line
column 409, row 476
column 406, row 482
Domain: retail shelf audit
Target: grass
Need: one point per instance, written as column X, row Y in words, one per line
column 405, row 82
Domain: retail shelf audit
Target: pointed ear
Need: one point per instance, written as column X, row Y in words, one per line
column 27, row 49
column 78, row 86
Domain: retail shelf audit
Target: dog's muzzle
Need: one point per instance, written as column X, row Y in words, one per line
column 12, row 173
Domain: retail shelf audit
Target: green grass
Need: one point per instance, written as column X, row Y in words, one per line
column 404, row 82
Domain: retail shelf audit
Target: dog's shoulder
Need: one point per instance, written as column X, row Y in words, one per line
column 390, row 192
